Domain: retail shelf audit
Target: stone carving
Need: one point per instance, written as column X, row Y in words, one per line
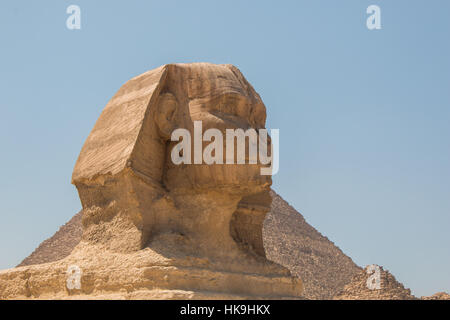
column 130, row 188
column 192, row 231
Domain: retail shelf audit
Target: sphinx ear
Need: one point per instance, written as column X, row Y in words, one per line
column 165, row 114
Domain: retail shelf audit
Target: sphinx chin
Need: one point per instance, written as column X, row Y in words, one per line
column 156, row 230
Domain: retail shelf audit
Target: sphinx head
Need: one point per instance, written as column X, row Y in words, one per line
column 203, row 99
column 126, row 170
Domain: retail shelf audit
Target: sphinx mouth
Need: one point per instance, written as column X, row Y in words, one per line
column 254, row 207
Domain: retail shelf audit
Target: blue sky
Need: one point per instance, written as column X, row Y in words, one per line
column 363, row 115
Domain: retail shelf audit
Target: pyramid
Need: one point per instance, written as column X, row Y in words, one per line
column 290, row 241
column 59, row 246
column 438, row 296
column 360, row 287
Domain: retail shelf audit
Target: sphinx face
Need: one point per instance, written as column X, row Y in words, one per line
column 219, row 100
column 126, row 168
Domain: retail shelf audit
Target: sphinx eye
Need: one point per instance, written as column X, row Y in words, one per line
column 170, row 110
column 170, row 114
column 251, row 111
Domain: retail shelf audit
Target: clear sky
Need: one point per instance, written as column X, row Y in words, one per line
column 363, row 114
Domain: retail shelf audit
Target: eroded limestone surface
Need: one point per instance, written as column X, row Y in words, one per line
column 149, row 226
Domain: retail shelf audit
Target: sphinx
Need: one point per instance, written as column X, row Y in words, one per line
column 155, row 229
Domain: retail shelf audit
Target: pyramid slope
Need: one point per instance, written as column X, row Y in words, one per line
column 438, row 296
column 288, row 239
column 59, row 246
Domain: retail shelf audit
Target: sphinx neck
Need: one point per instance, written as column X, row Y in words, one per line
column 206, row 220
